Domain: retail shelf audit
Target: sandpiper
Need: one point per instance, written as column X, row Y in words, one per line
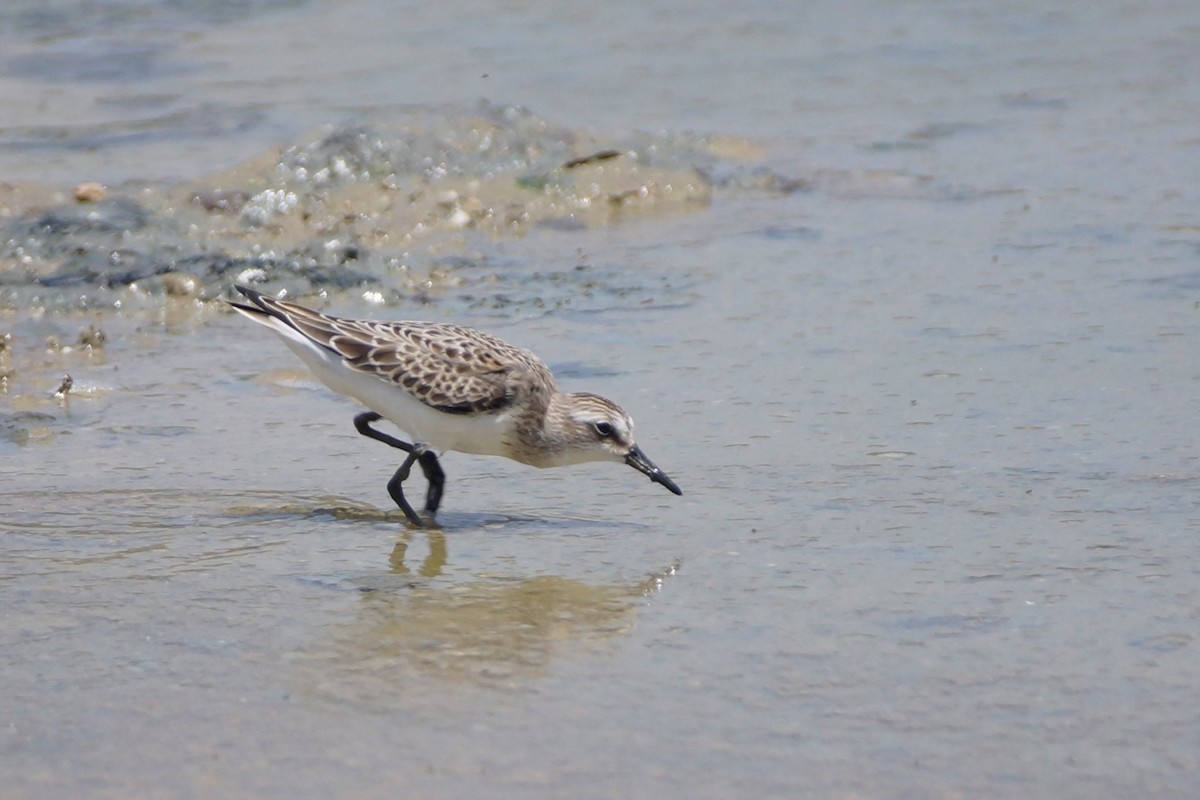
column 451, row 388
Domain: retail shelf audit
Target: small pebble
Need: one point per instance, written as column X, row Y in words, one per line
column 221, row 200
column 92, row 337
column 90, row 192
column 179, row 284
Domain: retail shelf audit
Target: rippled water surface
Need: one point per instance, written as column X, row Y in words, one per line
column 904, row 296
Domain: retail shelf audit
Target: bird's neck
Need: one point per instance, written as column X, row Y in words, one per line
column 538, row 427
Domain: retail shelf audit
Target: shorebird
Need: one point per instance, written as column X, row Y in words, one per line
column 451, row 388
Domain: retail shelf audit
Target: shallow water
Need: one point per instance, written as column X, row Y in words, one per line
column 929, row 386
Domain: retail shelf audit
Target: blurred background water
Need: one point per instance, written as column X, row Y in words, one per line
column 904, row 295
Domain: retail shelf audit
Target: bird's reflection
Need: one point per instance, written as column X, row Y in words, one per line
column 487, row 631
column 431, row 567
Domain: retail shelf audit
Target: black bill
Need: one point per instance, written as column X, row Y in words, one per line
column 637, row 459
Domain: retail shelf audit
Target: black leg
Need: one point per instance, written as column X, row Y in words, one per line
column 436, row 478
column 426, row 458
column 397, row 493
column 362, row 423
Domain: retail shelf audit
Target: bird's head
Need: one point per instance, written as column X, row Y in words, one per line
column 587, row 427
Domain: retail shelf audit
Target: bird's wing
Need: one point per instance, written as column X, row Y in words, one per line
column 453, row 369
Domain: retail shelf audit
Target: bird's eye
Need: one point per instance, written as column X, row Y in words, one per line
column 603, row 429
